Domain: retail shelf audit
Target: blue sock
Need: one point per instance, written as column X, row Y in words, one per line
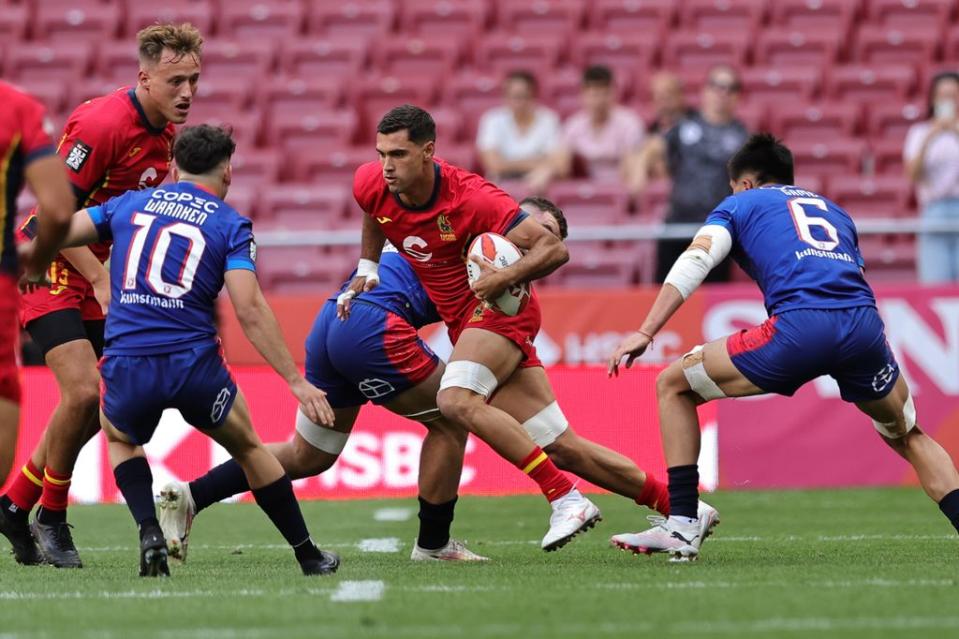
column 949, row 505
column 280, row 505
column 135, row 481
column 683, row 490
column 223, row 481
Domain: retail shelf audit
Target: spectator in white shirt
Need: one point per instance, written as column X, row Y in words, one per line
column 519, row 140
column 931, row 156
column 602, row 135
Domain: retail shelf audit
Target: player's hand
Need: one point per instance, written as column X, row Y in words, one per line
column 312, row 402
column 101, row 291
column 34, row 275
column 491, row 283
column 631, row 348
column 31, row 281
column 360, row 284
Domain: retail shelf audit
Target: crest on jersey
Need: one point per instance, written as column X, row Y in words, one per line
column 253, row 251
column 446, row 229
column 478, row 313
column 883, row 378
column 374, row 388
column 78, row 156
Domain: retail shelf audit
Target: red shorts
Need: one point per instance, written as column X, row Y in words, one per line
column 68, row 289
column 520, row 329
column 9, row 339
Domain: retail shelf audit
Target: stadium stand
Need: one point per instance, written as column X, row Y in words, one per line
column 303, row 82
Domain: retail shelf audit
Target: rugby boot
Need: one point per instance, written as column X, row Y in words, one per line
column 176, row 517
column 56, row 544
column 572, row 514
column 322, row 563
column 153, row 553
column 454, row 550
column 17, row 532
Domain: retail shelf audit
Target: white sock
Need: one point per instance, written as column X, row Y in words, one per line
column 683, row 521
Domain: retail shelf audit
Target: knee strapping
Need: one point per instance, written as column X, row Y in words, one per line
column 698, row 378
column 320, row 437
column 890, row 429
column 547, row 425
column 471, row 376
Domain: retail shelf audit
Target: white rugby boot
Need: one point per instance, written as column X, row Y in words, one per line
column 680, row 541
column 176, row 517
column 454, row 550
column 572, row 514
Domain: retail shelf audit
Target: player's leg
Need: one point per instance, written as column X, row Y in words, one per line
column 9, row 426
column 271, row 486
column 480, row 362
column 9, row 375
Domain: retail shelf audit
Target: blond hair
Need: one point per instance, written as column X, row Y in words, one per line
column 183, row 39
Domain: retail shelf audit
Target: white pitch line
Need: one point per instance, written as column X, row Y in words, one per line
column 350, row 591
column 384, row 544
column 393, row 514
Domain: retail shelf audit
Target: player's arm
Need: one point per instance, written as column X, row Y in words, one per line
column 710, row 247
column 48, row 181
column 261, row 328
column 92, row 270
column 367, row 270
column 544, row 254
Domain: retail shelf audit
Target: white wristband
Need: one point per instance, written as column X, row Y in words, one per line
column 368, row 269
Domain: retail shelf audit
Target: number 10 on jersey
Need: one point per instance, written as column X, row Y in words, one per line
column 159, row 254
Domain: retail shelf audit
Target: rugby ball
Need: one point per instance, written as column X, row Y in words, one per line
column 496, row 250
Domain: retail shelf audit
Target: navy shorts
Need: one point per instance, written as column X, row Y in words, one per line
column 794, row 347
column 374, row 355
column 136, row 389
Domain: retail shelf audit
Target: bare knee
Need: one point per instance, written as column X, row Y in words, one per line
column 81, row 397
column 667, row 384
column 460, row 406
column 307, row 461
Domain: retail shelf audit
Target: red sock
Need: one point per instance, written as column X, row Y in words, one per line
column 26, row 487
column 56, row 488
column 544, row 472
column 655, row 494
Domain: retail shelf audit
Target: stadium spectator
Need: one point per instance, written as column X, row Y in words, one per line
column 695, row 151
column 519, row 139
column 603, row 135
column 669, row 101
column 931, row 157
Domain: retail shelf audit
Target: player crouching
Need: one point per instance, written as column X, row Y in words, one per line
column 181, row 244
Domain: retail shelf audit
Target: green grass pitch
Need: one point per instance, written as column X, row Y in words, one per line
column 852, row 563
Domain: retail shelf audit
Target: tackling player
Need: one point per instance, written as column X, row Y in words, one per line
column 110, row 145
column 26, row 154
column 180, row 244
column 803, row 252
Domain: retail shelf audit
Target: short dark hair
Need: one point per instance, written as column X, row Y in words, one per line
column 936, row 79
column 417, row 123
column 201, row 149
column 524, row 76
column 549, row 207
column 767, row 157
column 598, row 75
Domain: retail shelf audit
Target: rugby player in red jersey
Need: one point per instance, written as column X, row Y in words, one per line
column 431, row 211
column 26, row 154
column 110, row 145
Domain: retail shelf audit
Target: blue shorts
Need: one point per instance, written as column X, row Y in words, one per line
column 136, row 389
column 374, row 355
column 794, row 347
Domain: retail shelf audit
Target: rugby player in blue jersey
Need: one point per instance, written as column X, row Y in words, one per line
column 174, row 248
column 803, row 252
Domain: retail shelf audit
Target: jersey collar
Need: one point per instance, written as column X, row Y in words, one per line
column 200, row 187
column 152, row 130
column 429, row 203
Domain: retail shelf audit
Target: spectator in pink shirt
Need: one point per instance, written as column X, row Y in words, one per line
column 602, row 135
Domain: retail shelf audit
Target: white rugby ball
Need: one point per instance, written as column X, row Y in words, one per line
column 499, row 252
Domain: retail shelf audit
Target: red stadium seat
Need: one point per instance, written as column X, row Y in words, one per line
column 897, row 45
column 237, row 59
column 814, row 183
column 242, row 197
column 825, row 159
column 654, row 201
column 255, row 167
column 76, row 21
column 871, row 84
column 886, row 156
column 815, row 16
column 331, row 166
column 292, row 97
column 599, row 270
column 891, row 121
column 703, row 50
column 625, row 55
column 504, row 52
column 199, row 14
column 116, row 61
column 50, row 92
column 560, row 17
column 789, row 47
column 315, row 130
column 450, row 125
column 244, row 124
column 367, row 18
column 628, row 17
column 437, row 55
column 230, row 94
column 871, row 197
column 457, row 17
column 952, row 45
column 741, row 17
column 562, row 89
column 298, row 269
column 780, row 84
column 906, row 13
column 461, row 155
column 340, row 57
column 261, row 19
column 14, row 21
column 377, row 94
column 591, row 203
column 473, row 93
column 754, row 114
column 308, row 206
column 60, row 60
column 79, row 92
column 820, row 123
